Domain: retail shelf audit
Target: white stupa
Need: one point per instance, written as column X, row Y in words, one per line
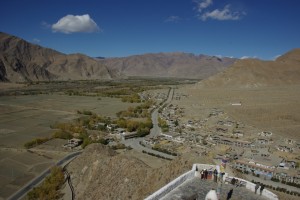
column 211, row 195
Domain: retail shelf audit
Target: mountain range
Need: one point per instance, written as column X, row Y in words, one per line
column 255, row 73
column 177, row 64
column 21, row 61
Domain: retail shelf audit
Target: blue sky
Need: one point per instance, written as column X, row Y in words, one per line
column 117, row 28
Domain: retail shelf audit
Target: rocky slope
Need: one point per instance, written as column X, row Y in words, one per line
column 101, row 173
column 181, row 65
column 22, row 61
column 254, row 73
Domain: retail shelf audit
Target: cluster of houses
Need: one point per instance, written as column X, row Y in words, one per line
column 283, row 171
column 217, row 139
column 178, row 96
column 73, row 143
column 257, row 160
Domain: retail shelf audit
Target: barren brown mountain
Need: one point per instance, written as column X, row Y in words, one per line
column 254, row 73
column 22, row 61
column 180, row 65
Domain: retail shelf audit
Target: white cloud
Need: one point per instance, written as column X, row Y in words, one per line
column 244, row 57
column 173, row 19
column 248, row 57
column 225, row 14
column 35, row 40
column 202, row 4
column 75, row 24
column 45, row 25
column 275, row 57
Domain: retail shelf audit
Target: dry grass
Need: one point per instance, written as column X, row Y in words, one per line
column 275, row 109
column 7, row 86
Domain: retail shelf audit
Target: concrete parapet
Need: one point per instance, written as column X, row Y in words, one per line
column 170, row 186
column 159, row 194
column 251, row 186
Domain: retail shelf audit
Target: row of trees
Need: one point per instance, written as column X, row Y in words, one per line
column 156, row 155
column 117, row 92
column 138, row 111
column 35, row 142
column 142, row 127
column 157, row 148
column 295, row 193
column 163, row 125
column 49, row 189
column 134, row 98
column 286, row 182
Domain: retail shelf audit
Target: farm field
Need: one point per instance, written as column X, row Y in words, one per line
column 27, row 112
column 25, row 117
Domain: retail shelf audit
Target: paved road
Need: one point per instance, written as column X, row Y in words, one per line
column 170, row 97
column 33, row 183
column 135, row 144
column 155, row 131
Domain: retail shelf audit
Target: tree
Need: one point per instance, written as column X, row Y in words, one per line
column 49, row 189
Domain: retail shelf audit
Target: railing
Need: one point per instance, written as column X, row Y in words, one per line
column 251, row 186
column 170, row 186
column 159, row 194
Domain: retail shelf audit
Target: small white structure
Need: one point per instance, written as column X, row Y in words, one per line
column 289, row 141
column 265, row 134
column 72, row 143
column 211, row 195
column 284, row 148
column 75, row 141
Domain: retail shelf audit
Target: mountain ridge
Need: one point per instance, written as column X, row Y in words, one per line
column 254, row 73
column 171, row 64
column 21, row 61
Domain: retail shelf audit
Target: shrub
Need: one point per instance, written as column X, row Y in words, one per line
column 49, row 189
column 62, row 134
column 35, row 142
column 84, row 112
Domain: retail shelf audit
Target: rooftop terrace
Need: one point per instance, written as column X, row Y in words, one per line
column 197, row 188
column 190, row 186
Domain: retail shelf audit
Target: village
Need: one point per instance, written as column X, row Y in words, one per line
column 254, row 154
column 250, row 152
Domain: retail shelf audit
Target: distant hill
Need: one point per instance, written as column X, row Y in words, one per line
column 180, row 65
column 292, row 56
column 254, row 73
column 22, row 61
